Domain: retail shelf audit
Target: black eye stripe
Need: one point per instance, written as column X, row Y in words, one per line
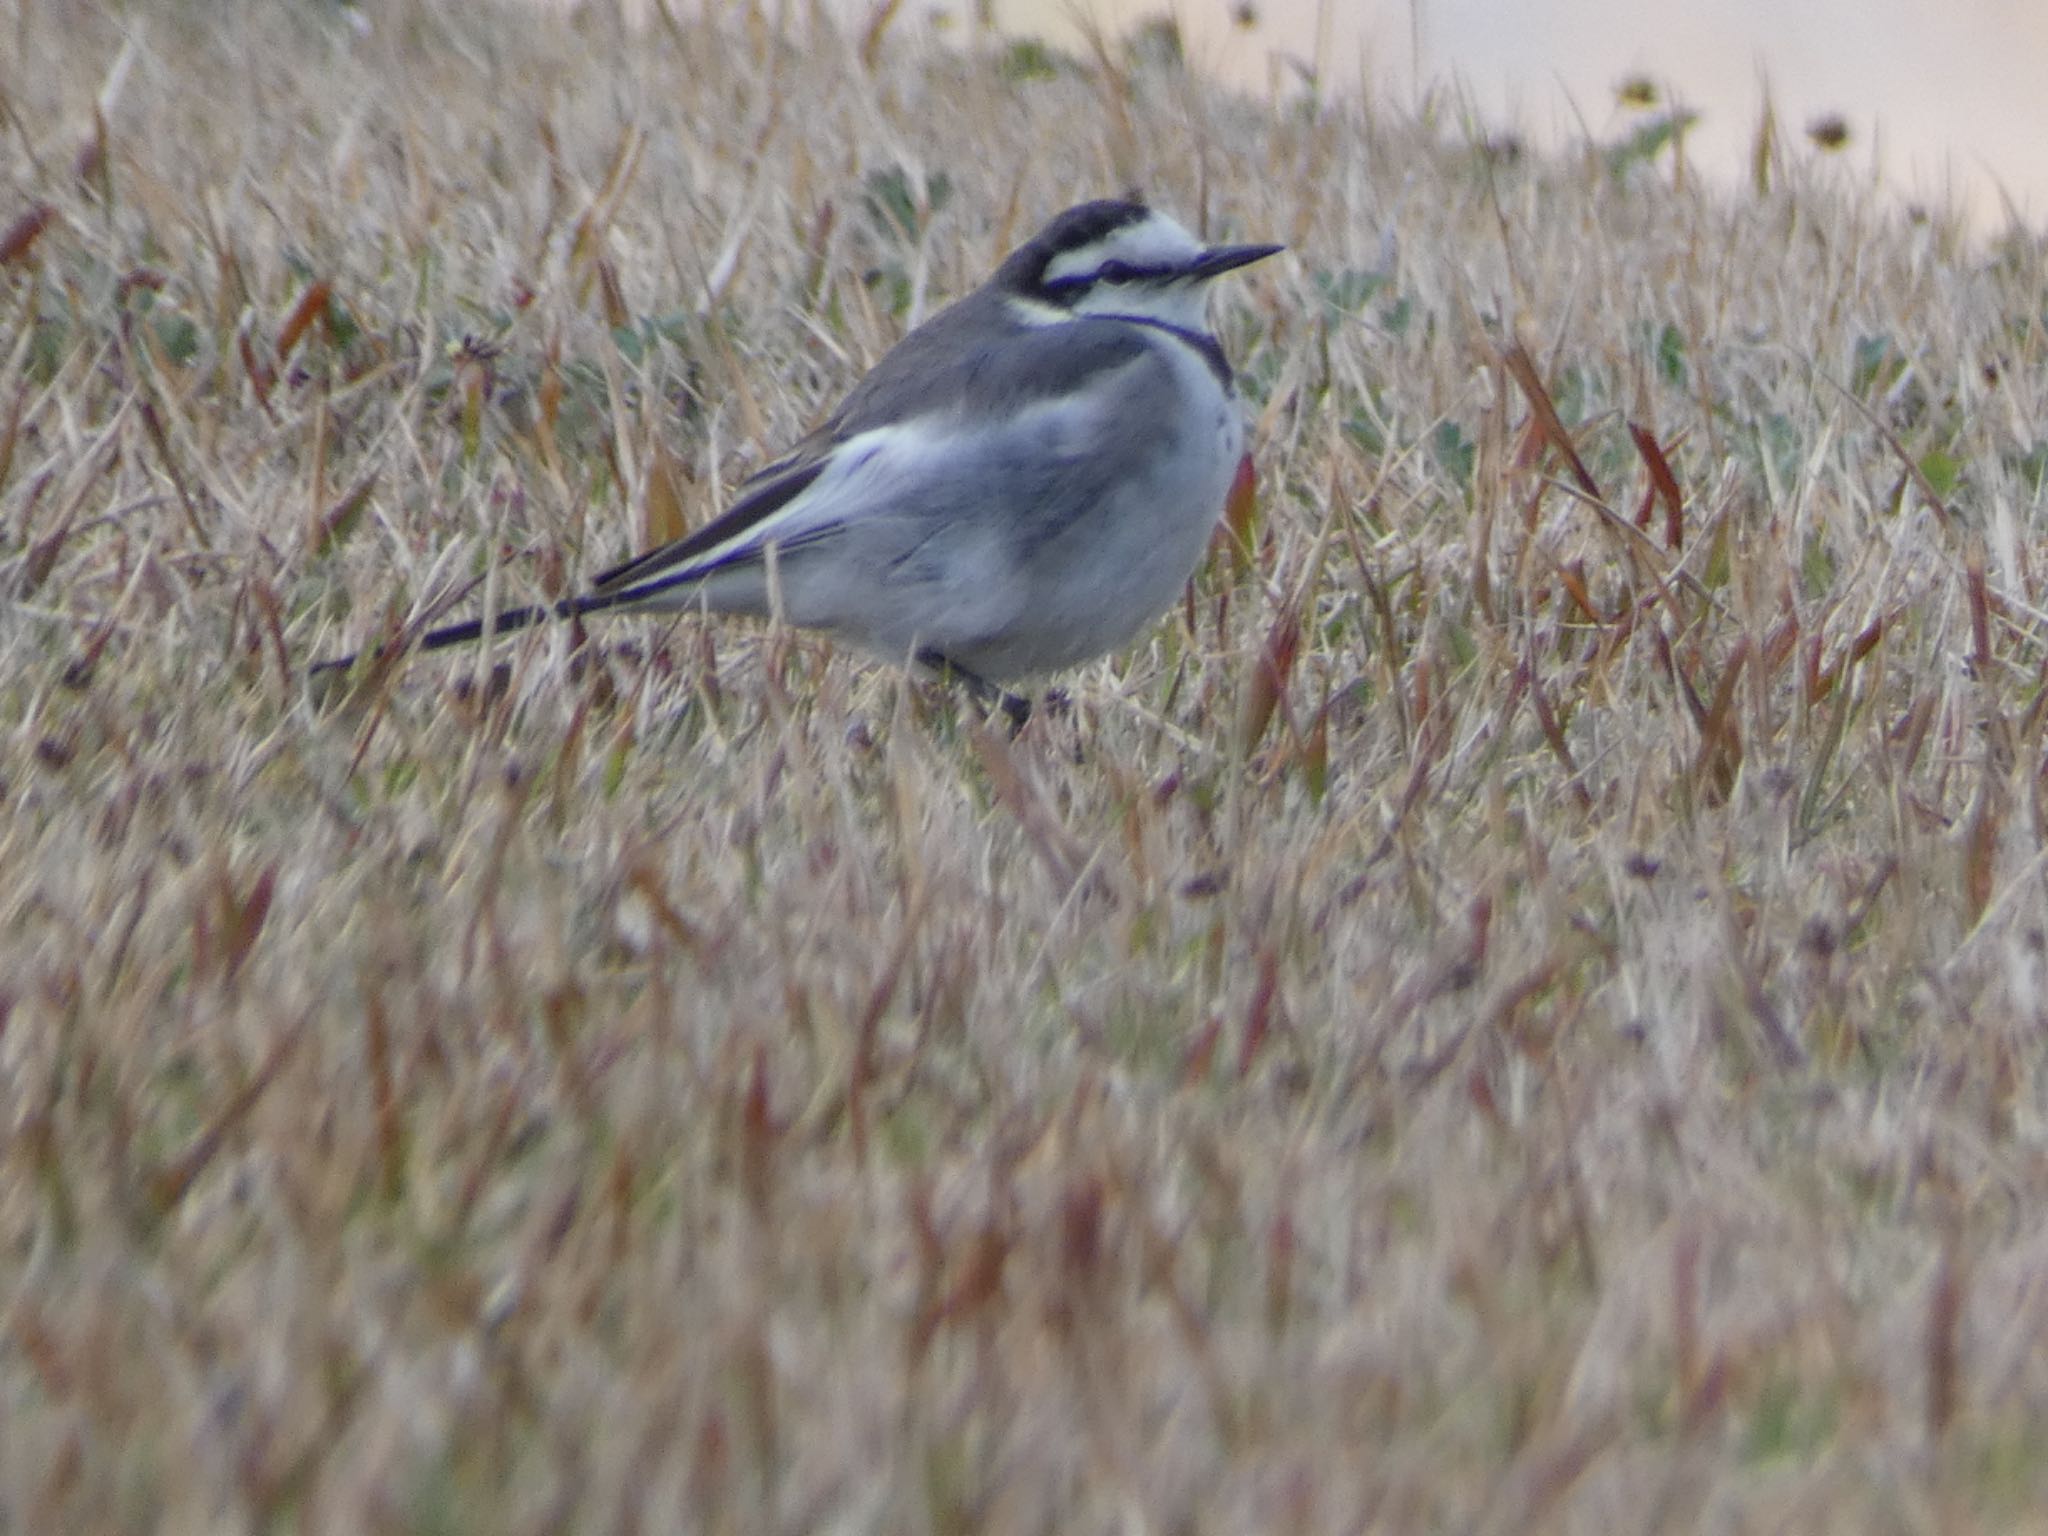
column 1112, row 272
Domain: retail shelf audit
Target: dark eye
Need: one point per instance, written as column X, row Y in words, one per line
column 1116, row 272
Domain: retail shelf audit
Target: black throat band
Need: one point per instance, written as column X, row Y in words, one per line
column 1207, row 347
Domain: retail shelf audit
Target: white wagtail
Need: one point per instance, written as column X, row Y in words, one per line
column 1022, row 483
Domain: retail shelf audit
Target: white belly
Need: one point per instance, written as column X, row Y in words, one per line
column 1129, row 561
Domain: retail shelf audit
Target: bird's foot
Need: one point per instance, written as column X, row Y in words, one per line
column 1013, row 707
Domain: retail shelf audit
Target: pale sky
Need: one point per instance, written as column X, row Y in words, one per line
column 1956, row 91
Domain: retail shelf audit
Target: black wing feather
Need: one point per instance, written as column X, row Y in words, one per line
column 771, row 491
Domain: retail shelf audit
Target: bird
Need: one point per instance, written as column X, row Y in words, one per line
column 1019, row 485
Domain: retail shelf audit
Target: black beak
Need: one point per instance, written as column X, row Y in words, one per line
column 1219, row 259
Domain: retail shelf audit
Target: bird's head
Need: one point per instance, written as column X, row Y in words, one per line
column 1119, row 258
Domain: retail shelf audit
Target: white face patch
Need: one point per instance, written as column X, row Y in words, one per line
column 1033, row 312
column 1182, row 303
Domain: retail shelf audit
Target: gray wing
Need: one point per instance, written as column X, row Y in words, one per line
column 973, row 360
column 979, row 359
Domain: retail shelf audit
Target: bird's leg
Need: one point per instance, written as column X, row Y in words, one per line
column 985, row 693
column 1016, row 708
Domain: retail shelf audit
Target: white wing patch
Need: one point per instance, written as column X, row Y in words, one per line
column 842, row 492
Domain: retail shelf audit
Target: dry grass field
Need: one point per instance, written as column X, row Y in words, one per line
column 1521, row 1006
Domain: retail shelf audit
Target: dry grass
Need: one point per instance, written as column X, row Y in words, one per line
column 1487, row 1020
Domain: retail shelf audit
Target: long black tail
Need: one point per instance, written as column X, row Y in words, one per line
column 507, row 621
